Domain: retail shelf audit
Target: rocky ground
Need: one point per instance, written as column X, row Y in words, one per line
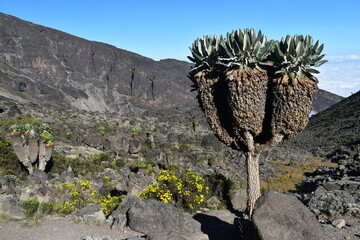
column 213, row 224
column 169, row 137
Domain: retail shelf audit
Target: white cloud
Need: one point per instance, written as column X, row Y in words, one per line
column 341, row 75
column 342, row 58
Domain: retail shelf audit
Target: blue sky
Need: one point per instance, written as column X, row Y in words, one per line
column 165, row 29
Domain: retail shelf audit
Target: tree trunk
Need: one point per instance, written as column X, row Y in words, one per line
column 33, row 146
column 22, row 152
column 44, row 155
column 253, row 180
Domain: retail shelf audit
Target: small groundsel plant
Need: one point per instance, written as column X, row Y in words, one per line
column 81, row 194
column 183, row 189
column 32, row 145
column 136, row 131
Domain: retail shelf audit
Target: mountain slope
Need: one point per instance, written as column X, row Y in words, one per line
column 338, row 125
column 325, row 99
column 40, row 64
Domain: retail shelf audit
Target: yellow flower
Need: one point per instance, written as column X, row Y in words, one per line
column 179, row 186
column 93, row 194
column 85, row 184
column 199, row 199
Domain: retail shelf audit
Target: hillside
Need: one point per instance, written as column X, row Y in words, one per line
column 325, row 99
column 327, row 131
column 46, row 66
column 40, row 64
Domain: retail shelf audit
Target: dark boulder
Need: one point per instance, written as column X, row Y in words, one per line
column 119, row 143
column 153, row 217
column 10, row 207
column 90, row 213
column 279, row 216
column 134, row 146
column 37, row 177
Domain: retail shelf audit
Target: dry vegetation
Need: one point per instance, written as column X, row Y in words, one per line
column 289, row 176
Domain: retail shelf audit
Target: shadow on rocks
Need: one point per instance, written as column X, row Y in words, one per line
column 218, row 229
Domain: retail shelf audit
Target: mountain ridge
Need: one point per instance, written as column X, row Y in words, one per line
column 83, row 74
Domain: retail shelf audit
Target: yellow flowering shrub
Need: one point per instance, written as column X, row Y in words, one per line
column 183, row 189
column 81, row 194
column 109, row 203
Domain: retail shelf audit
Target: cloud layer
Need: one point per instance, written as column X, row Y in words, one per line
column 341, row 75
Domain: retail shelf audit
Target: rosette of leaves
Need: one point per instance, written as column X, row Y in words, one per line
column 294, row 86
column 15, row 129
column 246, row 54
column 45, row 134
column 206, row 76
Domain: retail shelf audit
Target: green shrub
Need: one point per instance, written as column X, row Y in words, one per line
column 221, row 187
column 142, row 163
column 31, row 206
column 107, row 186
column 28, row 120
column 120, row 162
column 184, row 148
column 93, row 164
column 60, row 163
column 66, row 121
column 9, row 163
column 101, row 157
column 105, row 129
column 47, row 207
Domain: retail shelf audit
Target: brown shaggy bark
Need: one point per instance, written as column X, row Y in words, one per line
column 247, row 99
column 214, row 104
column 292, row 105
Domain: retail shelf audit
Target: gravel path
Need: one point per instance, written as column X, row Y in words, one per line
column 215, row 223
column 60, row 229
column 351, row 231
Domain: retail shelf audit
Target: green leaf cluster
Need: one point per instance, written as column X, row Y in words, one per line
column 245, row 49
column 205, row 51
column 43, row 131
column 297, row 55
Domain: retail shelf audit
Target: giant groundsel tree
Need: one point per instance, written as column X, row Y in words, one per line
column 255, row 92
column 33, row 147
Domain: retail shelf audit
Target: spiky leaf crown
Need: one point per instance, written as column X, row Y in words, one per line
column 245, row 49
column 296, row 55
column 293, row 56
column 205, row 51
